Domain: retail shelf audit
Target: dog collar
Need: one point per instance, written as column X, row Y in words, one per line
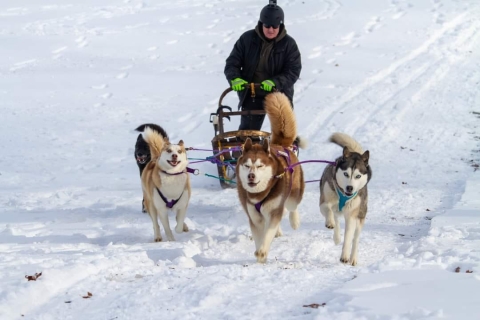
column 342, row 198
column 188, row 170
column 173, row 174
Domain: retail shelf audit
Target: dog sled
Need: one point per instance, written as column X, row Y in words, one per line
column 227, row 146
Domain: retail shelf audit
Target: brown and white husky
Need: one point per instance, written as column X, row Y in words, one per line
column 267, row 181
column 165, row 183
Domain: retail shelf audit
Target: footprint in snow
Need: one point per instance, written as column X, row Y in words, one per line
column 347, row 39
column 57, row 53
column 373, row 24
column 122, row 75
column 317, row 52
column 23, row 64
column 100, row 87
column 82, row 42
column 398, row 15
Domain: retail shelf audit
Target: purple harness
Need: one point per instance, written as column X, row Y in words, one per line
column 286, row 155
column 169, row 204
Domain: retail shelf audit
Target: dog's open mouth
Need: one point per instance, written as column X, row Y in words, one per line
column 252, row 184
column 348, row 194
column 173, row 163
column 141, row 159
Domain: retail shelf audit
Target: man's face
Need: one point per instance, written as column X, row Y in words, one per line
column 270, row 32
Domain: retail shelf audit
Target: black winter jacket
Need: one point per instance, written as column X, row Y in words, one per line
column 284, row 63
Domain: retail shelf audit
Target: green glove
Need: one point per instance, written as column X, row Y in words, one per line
column 267, row 85
column 237, row 84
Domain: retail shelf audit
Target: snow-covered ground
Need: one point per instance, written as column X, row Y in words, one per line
column 77, row 76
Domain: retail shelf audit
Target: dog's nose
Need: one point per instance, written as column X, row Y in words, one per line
column 174, row 157
column 349, row 189
column 251, row 177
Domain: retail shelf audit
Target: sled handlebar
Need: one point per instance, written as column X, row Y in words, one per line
column 251, row 86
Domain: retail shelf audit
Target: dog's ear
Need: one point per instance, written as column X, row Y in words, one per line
column 180, row 143
column 365, row 157
column 346, row 152
column 266, row 146
column 247, row 145
column 139, row 137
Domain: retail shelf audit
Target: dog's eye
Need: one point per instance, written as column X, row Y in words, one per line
column 169, row 150
column 246, row 166
column 345, row 174
column 260, row 166
column 358, row 176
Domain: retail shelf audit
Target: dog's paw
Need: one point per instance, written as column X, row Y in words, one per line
column 344, row 259
column 261, row 256
column 330, row 224
column 353, row 259
column 181, row 228
column 159, row 239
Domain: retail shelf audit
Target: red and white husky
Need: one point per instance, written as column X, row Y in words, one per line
column 265, row 184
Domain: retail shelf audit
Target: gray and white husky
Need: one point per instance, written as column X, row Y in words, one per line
column 343, row 191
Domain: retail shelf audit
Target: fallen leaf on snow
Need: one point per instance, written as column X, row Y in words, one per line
column 33, row 278
column 457, row 269
column 89, row 295
column 314, row 305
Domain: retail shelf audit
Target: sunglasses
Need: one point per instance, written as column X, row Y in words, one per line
column 266, row 26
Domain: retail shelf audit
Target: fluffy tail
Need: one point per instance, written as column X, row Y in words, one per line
column 154, row 127
column 155, row 141
column 344, row 140
column 282, row 119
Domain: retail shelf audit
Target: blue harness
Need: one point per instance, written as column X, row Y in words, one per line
column 342, row 199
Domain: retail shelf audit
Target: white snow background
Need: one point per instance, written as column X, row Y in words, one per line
column 77, row 76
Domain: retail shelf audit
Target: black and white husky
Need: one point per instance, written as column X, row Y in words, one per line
column 343, row 191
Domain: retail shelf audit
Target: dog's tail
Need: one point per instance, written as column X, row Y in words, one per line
column 154, row 127
column 155, row 141
column 344, row 140
column 282, row 119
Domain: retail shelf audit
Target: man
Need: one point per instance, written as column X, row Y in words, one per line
column 265, row 55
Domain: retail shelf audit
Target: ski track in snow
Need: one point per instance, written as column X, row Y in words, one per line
column 70, row 200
